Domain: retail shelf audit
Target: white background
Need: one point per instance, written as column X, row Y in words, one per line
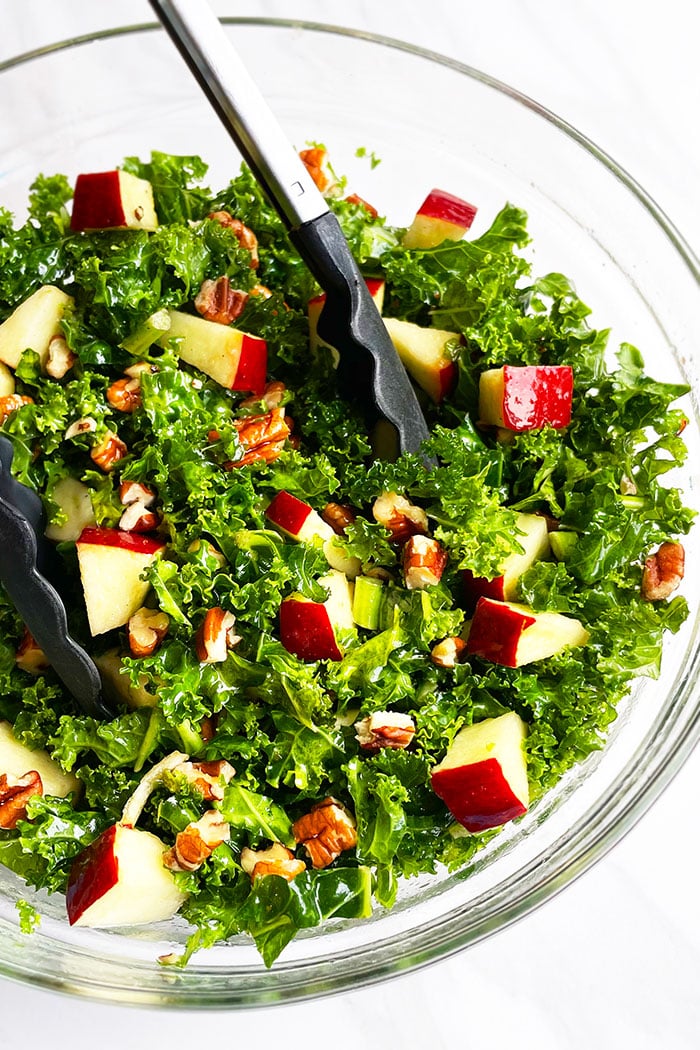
column 614, row 961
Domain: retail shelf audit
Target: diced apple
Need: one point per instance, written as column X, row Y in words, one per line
column 7, row 381
column 311, row 630
column 427, row 354
column 33, row 324
column 120, row 880
column 117, row 687
column 74, row 500
column 235, row 359
column 112, row 563
column 301, row 522
column 113, row 200
column 16, row 759
column 483, row 777
column 376, row 288
column 527, row 397
column 441, row 217
column 510, row 634
column 535, row 543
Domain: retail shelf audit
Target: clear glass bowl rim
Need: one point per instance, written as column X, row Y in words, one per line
column 587, row 842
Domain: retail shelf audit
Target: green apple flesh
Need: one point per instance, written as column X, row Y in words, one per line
column 111, row 565
column 33, row 324
column 534, row 539
column 74, row 500
column 16, row 759
column 426, row 355
column 215, row 349
column 511, row 634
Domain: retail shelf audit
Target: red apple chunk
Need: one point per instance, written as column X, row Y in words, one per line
column 510, row 634
column 526, row 398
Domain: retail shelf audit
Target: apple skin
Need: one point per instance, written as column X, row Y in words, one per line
column 111, row 563
column 483, row 777
column 512, row 635
column 526, row 398
column 301, row 522
column 535, row 543
column 309, row 629
column 33, row 324
column 376, row 287
column 120, row 880
column 17, row 759
column 112, row 200
column 424, row 356
column 231, row 357
column 441, row 217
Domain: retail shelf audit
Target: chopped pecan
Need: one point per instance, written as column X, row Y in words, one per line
column 338, row 516
column 124, row 395
column 262, row 290
column 145, row 630
column 325, row 832
column 29, row 656
column 10, row 403
column 385, row 729
column 402, row 518
column 139, row 367
column 354, row 199
column 243, row 234
column 663, row 572
column 86, row 425
column 316, row 162
column 60, row 358
column 263, row 437
column 134, row 492
column 207, row 777
column 197, row 842
column 276, row 860
column 448, row 652
column 217, row 301
column 107, row 452
column 15, row 793
column 271, row 396
column 138, row 518
column 207, row 728
column 424, row 561
column 216, row 636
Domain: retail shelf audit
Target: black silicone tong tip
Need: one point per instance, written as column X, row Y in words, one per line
column 22, row 561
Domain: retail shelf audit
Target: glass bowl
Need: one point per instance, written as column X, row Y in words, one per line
column 83, row 105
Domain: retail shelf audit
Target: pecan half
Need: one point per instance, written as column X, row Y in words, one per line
column 316, row 162
column 216, row 636
column 134, row 492
column 448, row 652
column 124, row 395
column 271, row 396
column 663, row 572
column 138, row 518
column 60, row 358
column 15, row 793
column 10, row 403
column 338, row 516
column 29, row 656
column 197, row 842
column 107, row 452
column 145, row 630
column 402, row 518
column 325, row 832
column 263, row 437
column 86, row 425
column 217, row 301
column 276, row 860
column 424, row 561
column 207, row 777
column 385, row 729
column 243, row 234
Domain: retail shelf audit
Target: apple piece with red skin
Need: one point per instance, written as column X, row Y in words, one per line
column 534, row 539
column 441, row 217
column 112, row 200
column 512, row 635
column 120, row 880
column 426, row 355
column 33, row 324
column 233, row 358
column 301, row 522
column 483, row 777
column 526, row 397
column 16, row 759
column 376, row 287
column 310, row 630
column 111, row 563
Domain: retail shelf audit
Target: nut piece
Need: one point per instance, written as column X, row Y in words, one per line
column 353, row 198
column 276, row 860
column 338, row 516
column 206, row 777
column 663, row 572
column 271, row 396
column 134, row 492
column 217, row 301
column 424, row 561
column 317, row 164
column 138, row 518
column 400, row 517
column 197, row 842
column 107, row 452
column 15, row 793
column 86, row 425
column 243, row 234
column 448, row 652
column 325, row 832
column 263, row 437
column 10, row 403
column 29, row 656
column 262, row 290
column 60, row 358
column 385, row 729
column 124, row 395
column 145, row 630
column 216, row 636
column 139, row 367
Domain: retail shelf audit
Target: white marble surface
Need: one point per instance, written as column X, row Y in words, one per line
column 613, row 961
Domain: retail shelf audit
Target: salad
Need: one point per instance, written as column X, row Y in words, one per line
column 328, row 672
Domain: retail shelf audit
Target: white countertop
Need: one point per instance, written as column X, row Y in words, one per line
column 614, row 960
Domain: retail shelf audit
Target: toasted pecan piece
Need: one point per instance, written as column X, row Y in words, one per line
column 217, row 301
column 663, row 572
column 424, row 561
column 327, row 830
column 276, row 860
column 108, row 451
column 385, row 729
column 216, row 636
column 197, row 842
column 15, row 793
column 401, row 517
